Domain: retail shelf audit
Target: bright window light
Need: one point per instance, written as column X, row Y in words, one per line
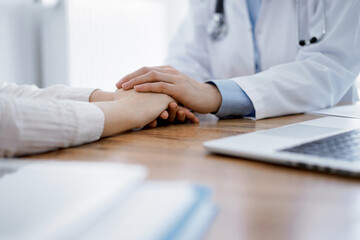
column 110, row 38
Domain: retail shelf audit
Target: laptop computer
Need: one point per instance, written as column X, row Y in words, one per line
column 329, row 144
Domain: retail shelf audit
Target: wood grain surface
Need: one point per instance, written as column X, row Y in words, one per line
column 255, row 200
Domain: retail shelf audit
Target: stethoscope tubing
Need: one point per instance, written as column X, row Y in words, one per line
column 217, row 29
column 313, row 39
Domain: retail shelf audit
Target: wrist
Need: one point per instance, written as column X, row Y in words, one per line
column 118, row 118
column 101, row 96
column 214, row 98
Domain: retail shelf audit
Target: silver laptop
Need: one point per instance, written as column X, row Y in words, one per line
column 327, row 144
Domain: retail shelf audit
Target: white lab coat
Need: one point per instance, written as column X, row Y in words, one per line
column 294, row 79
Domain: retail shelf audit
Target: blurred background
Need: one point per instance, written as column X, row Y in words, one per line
column 84, row 43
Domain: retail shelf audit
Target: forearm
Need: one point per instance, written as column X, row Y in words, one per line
column 30, row 126
column 297, row 87
column 118, row 118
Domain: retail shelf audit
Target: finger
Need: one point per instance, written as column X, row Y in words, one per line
column 140, row 72
column 164, row 115
column 180, row 116
column 168, row 69
column 149, row 77
column 190, row 116
column 132, row 75
column 153, row 124
column 172, row 111
column 160, row 87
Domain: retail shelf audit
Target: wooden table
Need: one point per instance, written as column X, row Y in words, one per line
column 256, row 200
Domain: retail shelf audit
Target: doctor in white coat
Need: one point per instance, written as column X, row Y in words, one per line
column 257, row 68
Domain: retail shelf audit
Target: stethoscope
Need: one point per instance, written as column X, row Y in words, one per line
column 218, row 28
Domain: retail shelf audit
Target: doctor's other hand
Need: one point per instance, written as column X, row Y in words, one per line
column 175, row 114
column 200, row 97
column 180, row 114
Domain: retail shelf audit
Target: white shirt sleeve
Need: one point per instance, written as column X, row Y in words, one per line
column 53, row 92
column 29, row 126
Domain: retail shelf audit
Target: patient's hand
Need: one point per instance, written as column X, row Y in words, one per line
column 132, row 110
column 143, row 107
column 101, row 96
column 174, row 112
column 120, row 94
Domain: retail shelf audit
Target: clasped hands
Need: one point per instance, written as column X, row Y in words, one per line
column 171, row 87
column 173, row 113
column 199, row 97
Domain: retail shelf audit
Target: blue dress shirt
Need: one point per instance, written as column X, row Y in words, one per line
column 235, row 102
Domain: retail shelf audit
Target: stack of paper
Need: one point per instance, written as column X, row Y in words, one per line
column 55, row 200
column 349, row 111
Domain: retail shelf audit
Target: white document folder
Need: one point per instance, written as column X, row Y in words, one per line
column 158, row 211
column 59, row 200
column 73, row 200
column 348, row 111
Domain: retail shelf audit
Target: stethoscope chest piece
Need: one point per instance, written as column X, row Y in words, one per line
column 217, row 28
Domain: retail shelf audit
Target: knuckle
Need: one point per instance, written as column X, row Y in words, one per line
column 170, row 67
column 153, row 74
column 173, row 70
column 144, row 69
column 162, row 86
column 133, row 81
column 179, row 79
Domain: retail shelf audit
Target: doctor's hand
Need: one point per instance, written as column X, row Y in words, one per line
column 200, row 97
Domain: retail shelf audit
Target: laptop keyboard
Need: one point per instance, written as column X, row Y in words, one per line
column 344, row 146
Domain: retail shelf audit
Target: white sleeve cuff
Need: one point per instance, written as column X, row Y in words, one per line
column 90, row 122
